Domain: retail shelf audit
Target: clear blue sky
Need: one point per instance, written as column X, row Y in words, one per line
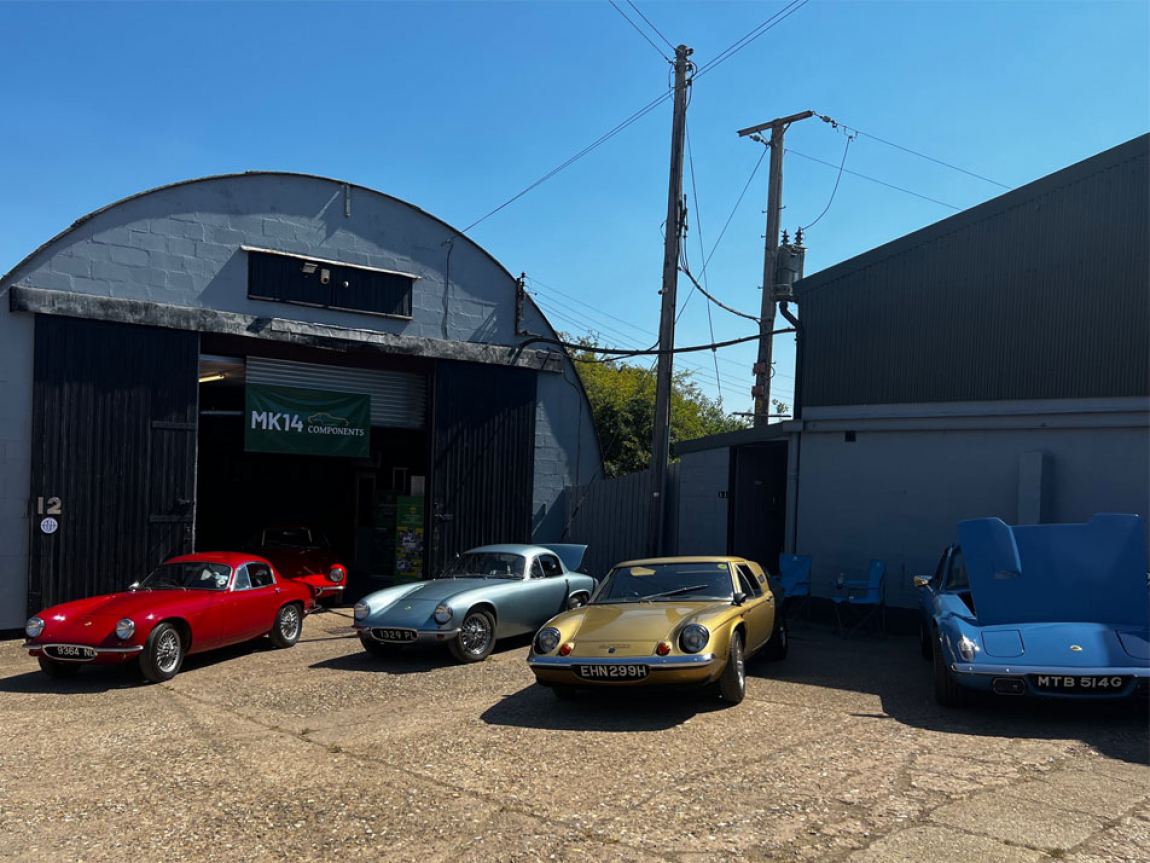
column 455, row 107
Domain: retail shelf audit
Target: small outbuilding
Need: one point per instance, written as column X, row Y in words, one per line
column 194, row 363
column 996, row 363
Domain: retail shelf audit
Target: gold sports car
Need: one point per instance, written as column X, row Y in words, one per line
column 672, row 621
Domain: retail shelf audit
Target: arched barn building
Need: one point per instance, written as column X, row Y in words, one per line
column 194, row 363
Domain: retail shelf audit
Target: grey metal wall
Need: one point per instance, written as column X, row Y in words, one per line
column 613, row 518
column 1041, row 293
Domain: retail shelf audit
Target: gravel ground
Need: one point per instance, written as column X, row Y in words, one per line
column 322, row 753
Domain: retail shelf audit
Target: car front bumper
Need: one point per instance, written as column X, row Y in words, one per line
column 104, row 655
column 1017, row 679
column 689, row 670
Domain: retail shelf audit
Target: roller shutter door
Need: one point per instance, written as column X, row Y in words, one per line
column 398, row 399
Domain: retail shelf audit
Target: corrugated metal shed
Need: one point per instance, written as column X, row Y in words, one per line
column 1041, row 293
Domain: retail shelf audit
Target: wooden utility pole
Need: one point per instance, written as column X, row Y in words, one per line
column 762, row 390
column 661, row 443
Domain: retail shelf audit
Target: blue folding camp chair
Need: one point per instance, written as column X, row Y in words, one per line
column 795, row 577
column 867, row 598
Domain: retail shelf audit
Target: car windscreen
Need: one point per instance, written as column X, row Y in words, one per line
column 657, row 582
column 290, row 537
column 486, row 564
column 190, row 575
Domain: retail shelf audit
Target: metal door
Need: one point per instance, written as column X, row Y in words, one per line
column 113, row 457
column 483, row 458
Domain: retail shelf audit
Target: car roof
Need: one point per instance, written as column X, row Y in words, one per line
column 702, row 558
column 228, row 558
column 512, row 548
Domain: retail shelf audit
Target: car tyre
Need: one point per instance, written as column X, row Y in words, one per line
column 776, row 648
column 577, row 600
column 288, row 626
column 58, row 670
column 733, row 682
column 379, row 649
column 947, row 692
column 476, row 638
column 163, row 654
column 925, row 642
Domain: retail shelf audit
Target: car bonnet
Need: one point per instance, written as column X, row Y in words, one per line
column 1092, row 573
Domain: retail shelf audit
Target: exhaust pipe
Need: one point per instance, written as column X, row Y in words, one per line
column 1008, row 685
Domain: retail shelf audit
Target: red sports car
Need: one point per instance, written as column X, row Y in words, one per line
column 303, row 554
column 188, row 605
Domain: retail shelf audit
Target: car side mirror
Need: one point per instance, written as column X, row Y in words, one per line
column 739, row 598
column 134, row 585
column 921, row 580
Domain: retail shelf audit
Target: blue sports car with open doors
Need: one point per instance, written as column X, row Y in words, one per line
column 1057, row 610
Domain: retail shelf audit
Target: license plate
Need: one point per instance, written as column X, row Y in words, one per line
column 393, row 634
column 612, row 672
column 70, row 651
column 1075, row 683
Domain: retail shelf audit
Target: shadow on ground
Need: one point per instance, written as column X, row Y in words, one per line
column 613, row 710
column 893, row 669
column 413, row 659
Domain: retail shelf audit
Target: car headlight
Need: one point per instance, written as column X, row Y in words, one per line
column 967, row 649
column 335, row 574
column 442, row 613
column 125, row 628
column 694, row 638
column 361, row 610
column 547, row 639
column 33, row 627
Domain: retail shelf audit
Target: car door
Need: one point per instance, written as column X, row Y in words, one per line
column 252, row 603
column 928, row 594
column 534, row 600
column 758, row 609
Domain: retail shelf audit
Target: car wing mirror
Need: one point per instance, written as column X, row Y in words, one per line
column 921, row 580
column 739, row 598
column 135, row 585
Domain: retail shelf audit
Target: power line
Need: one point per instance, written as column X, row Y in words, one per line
column 836, row 124
column 699, row 234
column 873, row 180
column 838, row 180
column 769, row 24
column 621, row 354
column 598, row 311
column 649, row 24
column 604, row 138
column 640, row 32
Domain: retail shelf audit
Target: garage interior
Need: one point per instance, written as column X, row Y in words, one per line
column 351, row 501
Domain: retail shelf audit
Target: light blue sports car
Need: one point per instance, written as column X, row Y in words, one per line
column 1055, row 610
column 485, row 594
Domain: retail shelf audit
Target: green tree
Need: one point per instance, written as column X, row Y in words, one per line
column 622, row 397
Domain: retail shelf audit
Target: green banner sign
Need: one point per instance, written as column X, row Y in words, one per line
column 306, row 422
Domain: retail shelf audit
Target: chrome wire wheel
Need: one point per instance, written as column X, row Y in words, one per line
column 740, row 664
column 475, row 635
column 289, row 623
column 168, row 650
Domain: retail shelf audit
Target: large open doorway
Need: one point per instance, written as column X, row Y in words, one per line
column 369, row 509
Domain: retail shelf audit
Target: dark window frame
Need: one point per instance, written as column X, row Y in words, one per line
column 285, row 277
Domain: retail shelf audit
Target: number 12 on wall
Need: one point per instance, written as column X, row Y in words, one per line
column 53, row 506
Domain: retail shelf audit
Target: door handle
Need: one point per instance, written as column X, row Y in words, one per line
column 277, row 591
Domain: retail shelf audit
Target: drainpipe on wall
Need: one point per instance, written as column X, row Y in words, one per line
column 791, row 539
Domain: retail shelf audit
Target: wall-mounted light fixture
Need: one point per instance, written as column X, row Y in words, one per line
column 309, row 267
column 216, row 377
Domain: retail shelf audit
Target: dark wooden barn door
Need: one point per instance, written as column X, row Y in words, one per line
column 114, row 452
column 757, row 514
column 483, row 468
